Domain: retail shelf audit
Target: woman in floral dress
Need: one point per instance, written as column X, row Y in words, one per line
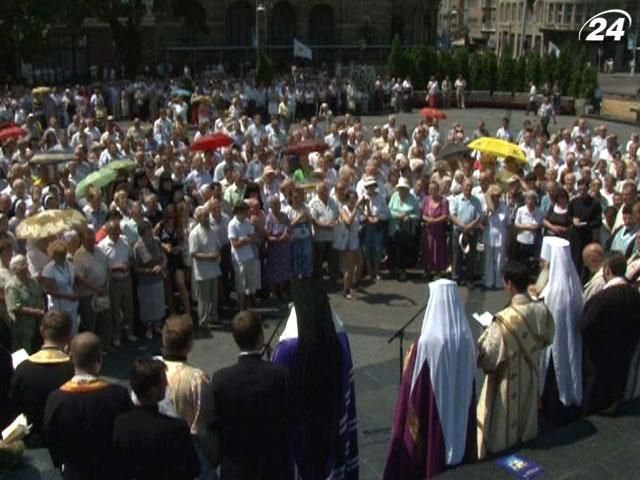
column 278, row 254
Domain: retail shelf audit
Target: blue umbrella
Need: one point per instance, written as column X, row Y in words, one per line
column 180, row 92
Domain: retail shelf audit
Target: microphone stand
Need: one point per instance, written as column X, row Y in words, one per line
column 400, row 335
column 267, row 346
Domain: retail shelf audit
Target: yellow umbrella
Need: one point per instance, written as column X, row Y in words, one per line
column 50, row 222
column 41, row 91
column 497, row 147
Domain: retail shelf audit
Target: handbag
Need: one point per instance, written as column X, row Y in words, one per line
column 340, row 236
column 100, row 303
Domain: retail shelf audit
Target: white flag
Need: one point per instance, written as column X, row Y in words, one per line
column 301, row 50
column 553, row 49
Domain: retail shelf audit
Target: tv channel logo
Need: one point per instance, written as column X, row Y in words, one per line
column 608, row 25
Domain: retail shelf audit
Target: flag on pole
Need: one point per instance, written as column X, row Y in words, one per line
column 553, row 49
column 301, row 50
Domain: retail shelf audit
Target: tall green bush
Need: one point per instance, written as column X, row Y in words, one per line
column 395, row 58
column 506, row 72
column 588, row 82
column 491, row 70
column 533, row 69
column 520, row 80
column 264, row 74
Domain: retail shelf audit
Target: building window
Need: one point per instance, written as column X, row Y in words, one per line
column 568, row 13
column 558, row 18
column 550, row 13
column 579, row 14
column 321, row 20
column 283, row 24
column 240, row 25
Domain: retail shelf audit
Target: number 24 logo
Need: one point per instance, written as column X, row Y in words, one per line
column 598, row 23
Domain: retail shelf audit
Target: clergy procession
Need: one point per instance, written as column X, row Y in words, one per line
column 192, row 221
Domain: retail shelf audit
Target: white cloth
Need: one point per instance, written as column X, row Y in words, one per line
column 447, row 346
column 291, row 328
column 563, row 297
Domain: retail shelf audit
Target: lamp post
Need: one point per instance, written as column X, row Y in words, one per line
column 260, row 9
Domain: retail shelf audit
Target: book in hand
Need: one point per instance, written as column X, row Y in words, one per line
column 520, row 467
column 18, row 357
column 16, row 431
column 484, row 319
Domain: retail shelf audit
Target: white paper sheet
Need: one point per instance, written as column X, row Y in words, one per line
column 484, row 319
column 18, row 357
column 20, row 420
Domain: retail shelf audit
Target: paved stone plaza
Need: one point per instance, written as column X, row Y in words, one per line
column 378, row 311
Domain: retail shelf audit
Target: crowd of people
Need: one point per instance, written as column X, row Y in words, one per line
column 300, row 94
column 220, row 231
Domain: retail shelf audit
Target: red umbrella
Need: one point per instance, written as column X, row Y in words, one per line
column 11, row 132
column 307, row 146
column 433, row 113
column 211, row 142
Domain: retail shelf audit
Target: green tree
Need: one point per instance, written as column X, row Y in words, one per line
column 478, row 79
column 491, row 70
column 422, row 67
column 445, row 64
column 533, row 69
column 460, row 63
column 588, row 81
column 394, row 60
column 520, row 80
column 264, row 74
column 547, row 68
column 506, row 72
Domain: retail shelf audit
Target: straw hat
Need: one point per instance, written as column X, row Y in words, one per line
column 268, row 170
column 369, row 182
column 403, row 183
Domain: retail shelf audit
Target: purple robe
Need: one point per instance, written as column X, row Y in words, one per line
column 343, row 464
column 417, row 448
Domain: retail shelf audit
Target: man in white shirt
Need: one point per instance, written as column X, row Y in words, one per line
column 504, row 133
column 533, row 96
column 324, row 214
column 246, row 265
column 92, row 275
column 118, row 253
column 205, row 254
column 162, row 128
column 256, row 130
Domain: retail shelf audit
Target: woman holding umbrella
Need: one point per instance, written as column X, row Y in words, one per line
column 59, row 280
column 300, row 220
column 23, row 297
column 404, row 213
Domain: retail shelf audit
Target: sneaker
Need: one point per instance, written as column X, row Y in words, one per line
column 131, row 337
column 116, row 343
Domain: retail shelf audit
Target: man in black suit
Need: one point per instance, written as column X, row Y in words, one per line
column 42, row 373
column 252, row 406
column 6, row 372
column 147, row 443
column 79, row 416
column 610, row 334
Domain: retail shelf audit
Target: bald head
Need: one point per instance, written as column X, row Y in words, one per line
column 86, row 353
column 593, row 256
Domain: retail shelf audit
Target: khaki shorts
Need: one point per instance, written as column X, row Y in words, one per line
column 247, row 276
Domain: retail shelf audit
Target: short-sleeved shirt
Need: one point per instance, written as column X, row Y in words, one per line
column 204, row 240
column 91, row 266
column 117, row 252
column 323, row 213
column 466, row 209
column 221, row 229
column 236, row 230
column 22, row 294
column 64, row 277
column 525, row 217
